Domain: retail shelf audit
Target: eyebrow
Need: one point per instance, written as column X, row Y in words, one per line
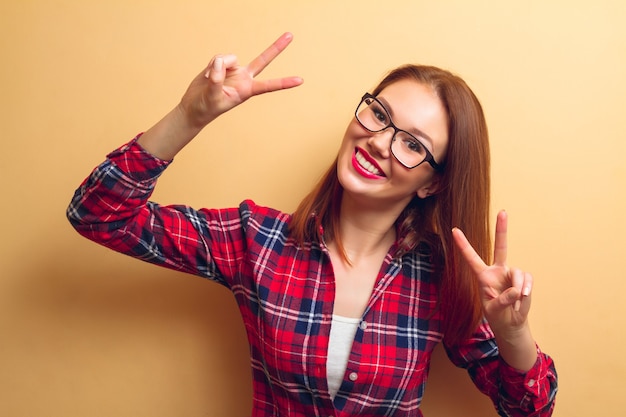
column 414, row 131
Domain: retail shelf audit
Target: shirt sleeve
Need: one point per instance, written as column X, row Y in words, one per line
column 513, row 392
column 111, row 207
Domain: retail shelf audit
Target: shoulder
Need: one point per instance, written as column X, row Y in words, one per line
column 249, row 208
column 263, row 219
column 423, row 254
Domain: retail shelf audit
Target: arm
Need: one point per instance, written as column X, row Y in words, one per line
column 514, row 393
column 506, row 298
column 223, row 85
column 111, row 206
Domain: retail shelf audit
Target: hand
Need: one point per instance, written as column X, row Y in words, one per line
column 505, row 292
column 225, row 84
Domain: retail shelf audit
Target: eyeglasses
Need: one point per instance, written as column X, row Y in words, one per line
column 405, row 147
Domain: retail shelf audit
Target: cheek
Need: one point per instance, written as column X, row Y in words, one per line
column 352, row 133
column 411, row 179
column 354, row 130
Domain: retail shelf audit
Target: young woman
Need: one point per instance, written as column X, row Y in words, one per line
column 344, row 300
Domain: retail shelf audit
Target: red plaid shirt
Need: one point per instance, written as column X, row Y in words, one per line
column 285, row 292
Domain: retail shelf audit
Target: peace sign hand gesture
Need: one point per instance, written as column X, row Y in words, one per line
column 505, row 295
column 222, row 85
column 225, row 84
column 505, row 292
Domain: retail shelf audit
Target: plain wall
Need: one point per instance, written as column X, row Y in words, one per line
column 87, row 332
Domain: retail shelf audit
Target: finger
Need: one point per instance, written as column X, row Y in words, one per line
column 522, row 282
column 259, row 63
column 207, row 72
column 510, row 297
column 266, row 86
column 527, row 287
column 228, row 61
column 517, row 282
column 526, row 291
column 216, row 72
column 500, row 245
column 473, row 259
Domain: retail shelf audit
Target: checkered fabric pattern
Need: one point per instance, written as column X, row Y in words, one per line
column 285, row 292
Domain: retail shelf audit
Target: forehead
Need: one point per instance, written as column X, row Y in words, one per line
column 415, row 107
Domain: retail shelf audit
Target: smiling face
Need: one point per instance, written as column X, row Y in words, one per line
column 368, row 171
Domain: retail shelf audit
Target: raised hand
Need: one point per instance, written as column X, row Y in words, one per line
column 505, row 291
column 221, row 86
column 225, row 83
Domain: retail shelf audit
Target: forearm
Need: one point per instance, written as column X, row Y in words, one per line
column 514, row 390
column 517, row 348
column 111, row 208
column 116, row 190
column 169, row 135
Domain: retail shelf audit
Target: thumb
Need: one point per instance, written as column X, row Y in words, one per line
column 215, row 71
column 511, row 296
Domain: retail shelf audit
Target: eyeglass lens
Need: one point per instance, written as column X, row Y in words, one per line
column 404, row 146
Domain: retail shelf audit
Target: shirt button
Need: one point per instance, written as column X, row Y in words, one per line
column 531, row 382
column 363, row 325
column 353, row 376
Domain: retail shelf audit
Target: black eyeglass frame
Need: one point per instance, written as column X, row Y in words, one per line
column 429, row 156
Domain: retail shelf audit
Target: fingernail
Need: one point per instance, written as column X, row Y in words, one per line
column 218, row 63
column 526, row 291
column 517, row 305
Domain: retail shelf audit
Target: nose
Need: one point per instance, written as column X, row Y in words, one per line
column 380, row 142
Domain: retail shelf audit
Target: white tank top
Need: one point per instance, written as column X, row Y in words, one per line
column 342, row 331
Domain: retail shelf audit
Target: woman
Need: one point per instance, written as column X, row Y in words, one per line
column 344, row 300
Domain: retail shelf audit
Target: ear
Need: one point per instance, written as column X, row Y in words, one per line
column 430, row 188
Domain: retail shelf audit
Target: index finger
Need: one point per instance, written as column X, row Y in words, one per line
column 500, row 245
column 259, row 63
column 467, row 250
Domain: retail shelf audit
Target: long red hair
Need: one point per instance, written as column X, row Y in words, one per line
column 461, row 200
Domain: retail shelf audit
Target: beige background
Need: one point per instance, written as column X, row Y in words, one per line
column 87, row 332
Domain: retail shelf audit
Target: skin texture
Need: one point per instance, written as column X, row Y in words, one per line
column 506, row 297
column 372, row 201
column 414, row 107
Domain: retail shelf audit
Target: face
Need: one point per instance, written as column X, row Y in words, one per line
column 368, row 171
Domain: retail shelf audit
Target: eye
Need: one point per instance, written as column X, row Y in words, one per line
column 413, row 145
column 379, row 112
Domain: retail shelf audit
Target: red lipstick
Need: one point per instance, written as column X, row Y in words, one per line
column 367, row 167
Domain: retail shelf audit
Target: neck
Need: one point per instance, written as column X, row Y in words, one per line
column 366, row 231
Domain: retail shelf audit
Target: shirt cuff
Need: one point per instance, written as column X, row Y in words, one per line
column 527, row 381
column 136, row 162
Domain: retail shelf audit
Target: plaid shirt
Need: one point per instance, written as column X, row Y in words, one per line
column 285, row 292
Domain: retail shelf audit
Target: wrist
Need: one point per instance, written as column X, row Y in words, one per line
column 517, row 347
column 512, row 334
column 169, row 135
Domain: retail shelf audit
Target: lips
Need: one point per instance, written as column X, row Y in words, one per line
column 365, row 165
